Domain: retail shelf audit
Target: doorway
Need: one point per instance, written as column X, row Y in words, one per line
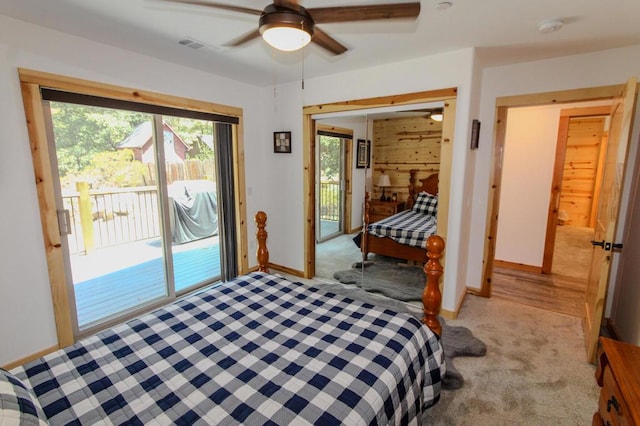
column 623, row 98
column 575, row 189
column 550, row 164
column 331, row 180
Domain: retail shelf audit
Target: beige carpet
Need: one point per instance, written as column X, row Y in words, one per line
column 534, row 372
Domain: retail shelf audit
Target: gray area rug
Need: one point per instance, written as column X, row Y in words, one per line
column 456, row 341
column 386, row 276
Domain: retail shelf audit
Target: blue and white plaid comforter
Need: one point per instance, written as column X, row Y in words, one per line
column 259, row 350
column 407, row 227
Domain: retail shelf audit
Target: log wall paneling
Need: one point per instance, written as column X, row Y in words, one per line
column 401, row 145
column 580, row 169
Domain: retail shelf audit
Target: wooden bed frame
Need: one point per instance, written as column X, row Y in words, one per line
column 388, row 247
column 431, row 296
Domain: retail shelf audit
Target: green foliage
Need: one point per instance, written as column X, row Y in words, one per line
column 87, row 140
column 330, row 150
column 82, row 131
column 113, row 169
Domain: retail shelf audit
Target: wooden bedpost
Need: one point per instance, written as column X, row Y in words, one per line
column 262, row 253
column 411, row 199
column 431, row 296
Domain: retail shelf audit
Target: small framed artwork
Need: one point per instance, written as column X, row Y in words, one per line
column 475, row 133
column 363, row 154
column 282, row 142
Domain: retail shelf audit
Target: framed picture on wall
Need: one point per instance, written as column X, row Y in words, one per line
column 363, row 154
column 282, row 142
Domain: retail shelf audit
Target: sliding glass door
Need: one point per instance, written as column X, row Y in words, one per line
column 330, row 186
column 139, row 206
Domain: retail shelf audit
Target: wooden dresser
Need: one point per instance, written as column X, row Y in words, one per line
column 379, row 210
column 618, row 375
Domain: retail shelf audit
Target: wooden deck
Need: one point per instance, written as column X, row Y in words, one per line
column 115, row 280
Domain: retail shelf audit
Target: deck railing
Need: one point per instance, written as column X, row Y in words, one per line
column 330, row 200
column 104, row 218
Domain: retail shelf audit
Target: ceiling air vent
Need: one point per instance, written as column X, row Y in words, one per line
column 190, row 42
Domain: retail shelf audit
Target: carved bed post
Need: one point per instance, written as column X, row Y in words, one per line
column 411, row 199
column 364, row 241
column 262, row 253
column 431, row 296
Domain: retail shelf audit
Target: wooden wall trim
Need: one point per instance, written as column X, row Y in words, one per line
column 29, row 358
column 88, row 87
column 558, row 97
column 381, row 101
column 493, row 202
column 336, row 129
column 34, row 113
column 517, row 266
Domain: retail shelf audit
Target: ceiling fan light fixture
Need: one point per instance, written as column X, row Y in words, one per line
column 286, row 39
column 286, row 29
column 436, row 116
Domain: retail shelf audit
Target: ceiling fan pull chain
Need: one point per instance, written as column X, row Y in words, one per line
column 302, row 54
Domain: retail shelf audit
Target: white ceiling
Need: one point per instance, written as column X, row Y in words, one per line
column 504, row 31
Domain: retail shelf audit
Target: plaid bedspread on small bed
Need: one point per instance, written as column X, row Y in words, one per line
column 406, row 227
column 259, row 350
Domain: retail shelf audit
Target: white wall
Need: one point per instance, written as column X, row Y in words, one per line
column 528, row 160
column 573, row 72
column 26, row 312
column 454, row 69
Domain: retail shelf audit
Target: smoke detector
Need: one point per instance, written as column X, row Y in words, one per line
column 550, row 26
column 443, row 5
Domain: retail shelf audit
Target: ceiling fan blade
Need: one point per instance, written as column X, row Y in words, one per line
column 326, row 15
column 243, row 38
column 217, row 6
column 323, row 39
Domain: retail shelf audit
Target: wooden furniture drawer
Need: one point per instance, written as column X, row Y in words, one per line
column 618, row 375
column 379, row 210
column 612, row 407
column 383, row 210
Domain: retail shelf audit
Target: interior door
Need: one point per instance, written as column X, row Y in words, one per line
column 607, row 215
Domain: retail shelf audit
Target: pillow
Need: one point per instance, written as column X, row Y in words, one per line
column 426, row 203
column 17, row 405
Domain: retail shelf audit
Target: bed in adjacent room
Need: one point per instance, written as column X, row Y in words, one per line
column 259, row 349
column 404, row 235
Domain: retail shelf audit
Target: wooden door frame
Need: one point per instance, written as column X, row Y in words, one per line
column 502, row 106
column 309, row 147
column 558, row 173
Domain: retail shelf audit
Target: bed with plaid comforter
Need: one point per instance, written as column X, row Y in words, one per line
column 258, row 350
column 407, row 227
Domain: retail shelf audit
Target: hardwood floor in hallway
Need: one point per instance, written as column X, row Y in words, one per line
column 556, row 293
column 564, row 290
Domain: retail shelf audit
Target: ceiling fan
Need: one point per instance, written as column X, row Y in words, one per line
column 287, row 26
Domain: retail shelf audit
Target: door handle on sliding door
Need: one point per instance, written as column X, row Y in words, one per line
column 64, row 222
